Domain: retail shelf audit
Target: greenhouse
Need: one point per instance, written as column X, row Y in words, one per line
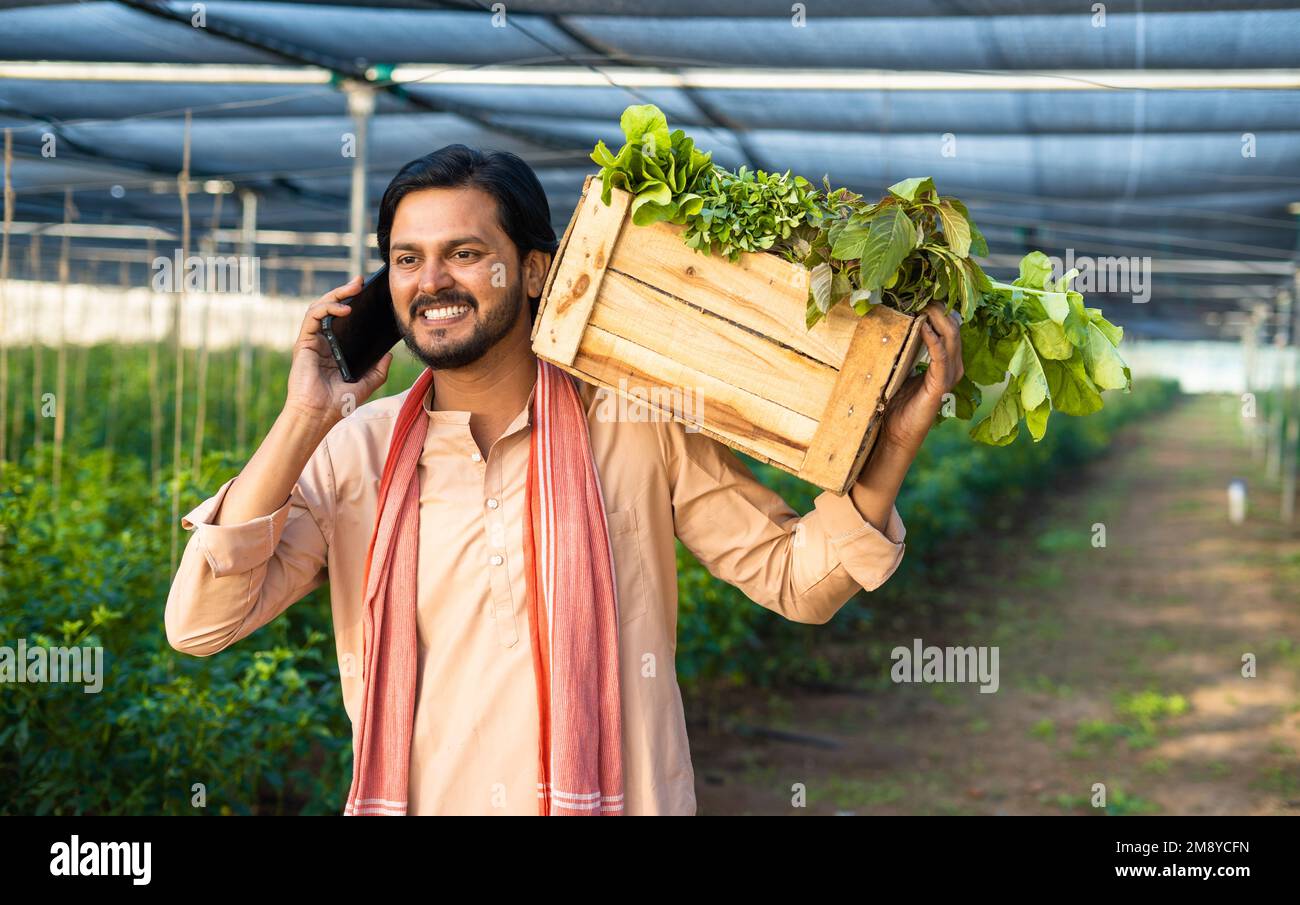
column 1057, row 242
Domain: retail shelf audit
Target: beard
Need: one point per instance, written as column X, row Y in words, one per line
column 487, row 331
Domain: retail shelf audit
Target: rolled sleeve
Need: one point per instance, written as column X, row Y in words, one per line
column 233, row 579
column 231, row 549
column 803, row 567
column 869, row 555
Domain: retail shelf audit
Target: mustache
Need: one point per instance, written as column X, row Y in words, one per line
column 451, row 297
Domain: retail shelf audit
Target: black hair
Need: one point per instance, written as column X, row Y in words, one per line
column 523, row 211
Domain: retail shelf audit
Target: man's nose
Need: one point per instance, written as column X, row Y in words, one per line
column 435, row 277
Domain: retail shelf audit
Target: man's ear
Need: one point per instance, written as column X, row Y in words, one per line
column 536, row 265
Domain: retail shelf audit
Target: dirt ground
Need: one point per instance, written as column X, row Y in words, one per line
column 1118, row 664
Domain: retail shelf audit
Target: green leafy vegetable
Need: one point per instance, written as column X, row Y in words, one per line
column 911, row 247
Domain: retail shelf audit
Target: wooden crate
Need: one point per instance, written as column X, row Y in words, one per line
column 634, row 303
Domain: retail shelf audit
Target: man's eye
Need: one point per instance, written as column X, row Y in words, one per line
column 471, row 254
column 404, row 259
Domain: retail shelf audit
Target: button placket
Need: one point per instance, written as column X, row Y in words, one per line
column 503, row 605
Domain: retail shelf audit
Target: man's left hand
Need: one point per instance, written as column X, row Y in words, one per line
column 912, row 411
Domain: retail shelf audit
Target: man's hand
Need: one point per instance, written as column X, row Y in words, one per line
column 313, row 405
column 912, row 411
column 317, row 391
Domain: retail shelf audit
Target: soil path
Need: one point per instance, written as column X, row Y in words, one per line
column 1118, row 664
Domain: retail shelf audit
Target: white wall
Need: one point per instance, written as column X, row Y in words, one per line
column 95, row 314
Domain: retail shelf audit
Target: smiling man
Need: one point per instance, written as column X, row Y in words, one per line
column 500, row 556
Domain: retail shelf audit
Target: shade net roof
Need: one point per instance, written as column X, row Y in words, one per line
column 1173, row 174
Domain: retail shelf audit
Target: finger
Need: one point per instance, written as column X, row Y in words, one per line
column 942, row 321
column 938, row 356
column 347, row 290
column 311, row 323
column 948, row 326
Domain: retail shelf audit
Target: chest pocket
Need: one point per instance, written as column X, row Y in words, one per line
column 629, row 570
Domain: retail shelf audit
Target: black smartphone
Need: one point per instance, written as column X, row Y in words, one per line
column 359, row 340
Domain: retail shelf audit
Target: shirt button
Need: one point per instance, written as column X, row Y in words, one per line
column 477, row 457
column 492, row 503
column 496, row 560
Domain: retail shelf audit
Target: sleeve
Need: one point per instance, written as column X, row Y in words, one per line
column 743, row 532
column 233, row 579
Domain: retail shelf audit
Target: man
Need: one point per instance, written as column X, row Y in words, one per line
column 500, row 554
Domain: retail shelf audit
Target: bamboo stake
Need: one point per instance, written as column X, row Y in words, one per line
column 115, row 377
column 248, row 248
column 4, row 300
column 38, row 359
column 82, row 351
column 20, row 409
column 155, row 390
column 200, row 416
column 61, row 370
column 183, row 183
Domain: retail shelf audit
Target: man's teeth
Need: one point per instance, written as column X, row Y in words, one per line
column 434, row 314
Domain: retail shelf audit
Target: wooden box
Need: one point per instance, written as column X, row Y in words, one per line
column 634, row 309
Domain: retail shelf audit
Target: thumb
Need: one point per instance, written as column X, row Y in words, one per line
column 377, row 375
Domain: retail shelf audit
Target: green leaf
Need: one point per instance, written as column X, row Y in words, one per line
column 1050, row 339
column 602, row 155
column 978, row 357
column 1035, row 270
column 690, row 204
column 849, row 240
column 956, row 230
column 812, row 315
column 819, row 286
column 840, row 287
column 1056, row 305
column 1027, row 366
column 653, row 213
column 1104, row 364
column 652, row 190
column 1076, row 321
column 891, row 237
column 978, row 245
column 1073, row 391
column 1000, row 427
column 968, row 397
column 1113, row 333
column 1036, row 420
column 909, row 189
column 641, row 120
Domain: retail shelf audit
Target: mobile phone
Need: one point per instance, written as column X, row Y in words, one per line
column 359, row 340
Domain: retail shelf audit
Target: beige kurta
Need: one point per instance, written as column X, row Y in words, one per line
column 475, row 735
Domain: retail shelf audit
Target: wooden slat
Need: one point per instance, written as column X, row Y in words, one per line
column 774, row 432
column 902, row 370
column 735, row 443
column 712, row 345
column 878, row 343
column 576, row 279
column 559, row 256
column 763, row 292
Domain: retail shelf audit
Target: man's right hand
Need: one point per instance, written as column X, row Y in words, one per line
column 318, row 398
column 317, row 391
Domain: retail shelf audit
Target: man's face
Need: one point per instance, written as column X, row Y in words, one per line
column 454, row 275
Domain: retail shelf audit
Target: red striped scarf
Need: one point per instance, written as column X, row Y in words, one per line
column 572, row 615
